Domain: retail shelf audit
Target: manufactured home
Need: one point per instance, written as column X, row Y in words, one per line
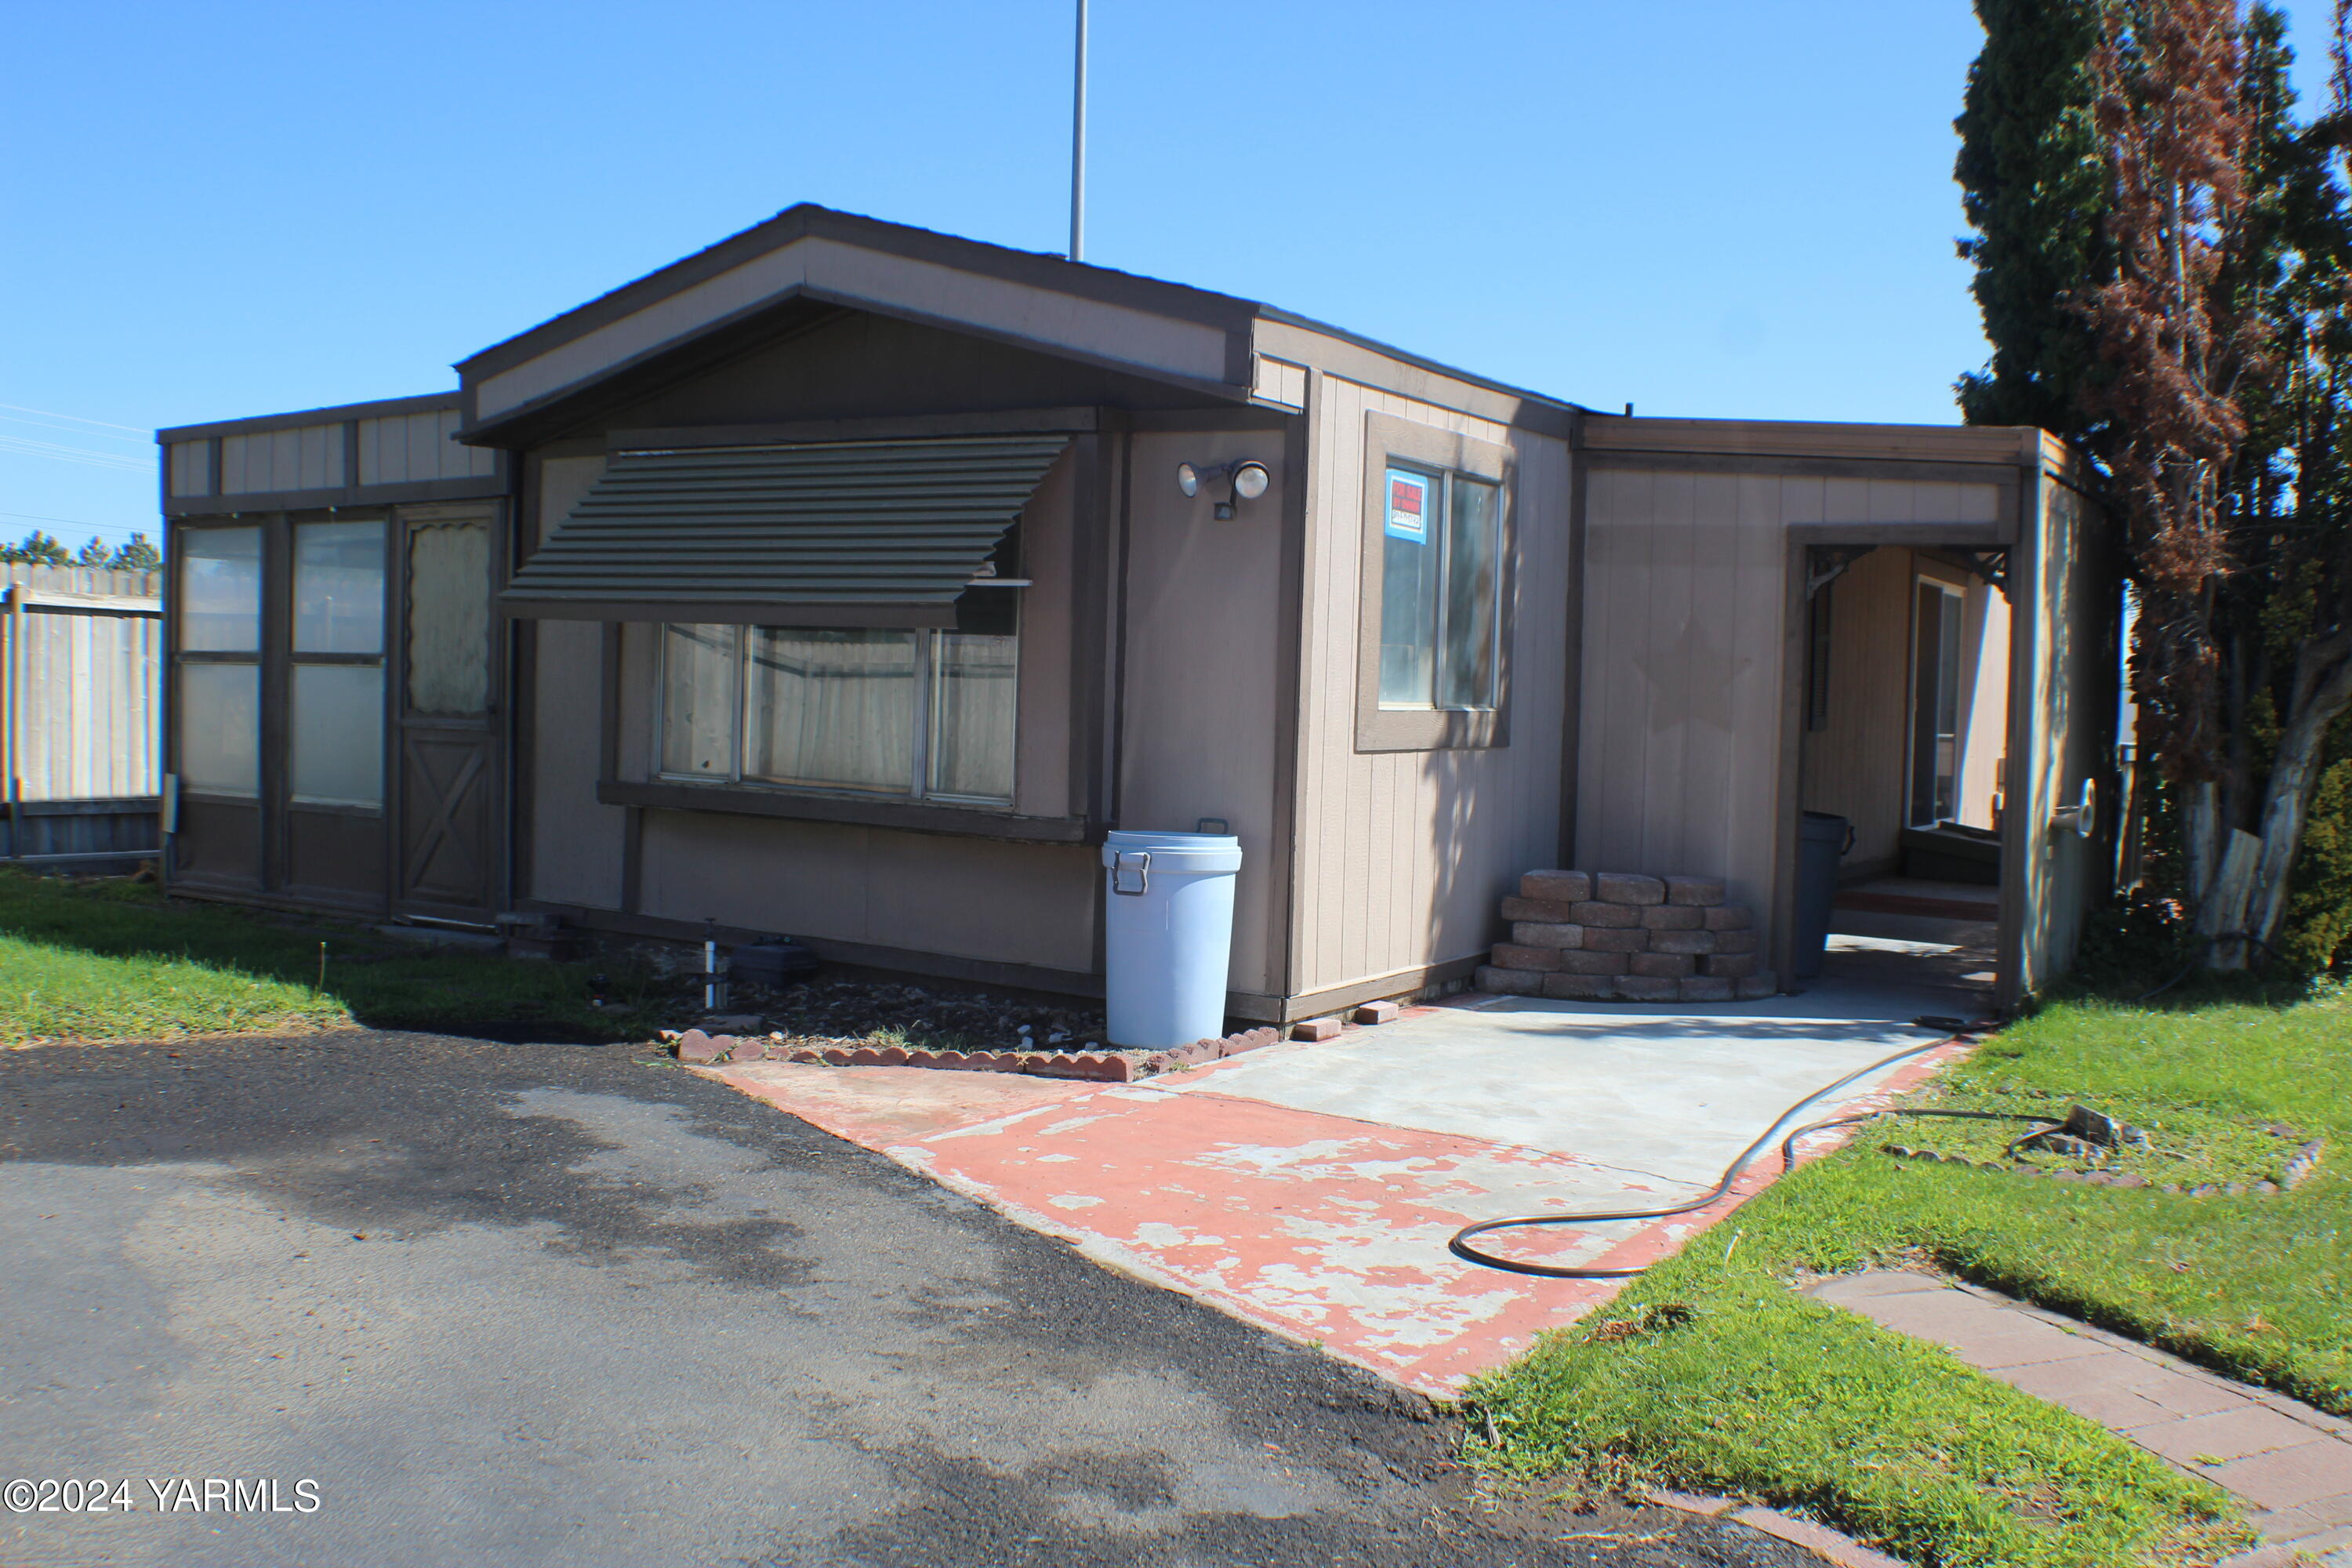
column 850, row 581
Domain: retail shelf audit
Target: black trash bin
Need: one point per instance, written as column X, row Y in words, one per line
column 1823, row 840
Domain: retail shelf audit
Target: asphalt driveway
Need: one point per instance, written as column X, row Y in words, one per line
column 540, row 1304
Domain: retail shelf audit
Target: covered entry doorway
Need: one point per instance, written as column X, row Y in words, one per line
column 1905, row 744
column 1960, row 704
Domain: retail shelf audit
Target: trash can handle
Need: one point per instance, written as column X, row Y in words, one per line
column 1142, row 872
column 1847, row 847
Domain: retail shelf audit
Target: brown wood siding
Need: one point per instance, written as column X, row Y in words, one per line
column 1403, row 855
column 1041, row 779
column 966, row 898
column 1198, row 725
column 576, row 843
column 857, row 366
column 1679, row 764
column 303, row 457
column 1685, row 653
column 401, row 449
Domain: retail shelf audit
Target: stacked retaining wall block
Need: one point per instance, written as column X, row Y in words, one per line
column 1611, row 936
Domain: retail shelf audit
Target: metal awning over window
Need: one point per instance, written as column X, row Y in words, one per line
column 868, row 533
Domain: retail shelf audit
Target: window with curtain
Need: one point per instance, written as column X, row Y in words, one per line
column 1440, row 555
column 926, row 715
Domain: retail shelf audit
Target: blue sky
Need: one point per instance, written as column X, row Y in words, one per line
column 1711, row 207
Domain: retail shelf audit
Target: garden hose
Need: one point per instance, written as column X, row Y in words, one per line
column 1460, row 1245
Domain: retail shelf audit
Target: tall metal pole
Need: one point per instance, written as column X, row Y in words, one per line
column 1079, row 148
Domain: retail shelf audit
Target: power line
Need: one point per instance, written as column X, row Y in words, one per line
column 71, row 430
column 72, row 522
column 26, row 447
column 52, row 413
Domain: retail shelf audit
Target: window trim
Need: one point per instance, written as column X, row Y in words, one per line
column 1391, row 442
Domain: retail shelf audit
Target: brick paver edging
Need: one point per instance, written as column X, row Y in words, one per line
column 2291, row 1465
column 1103, row 1066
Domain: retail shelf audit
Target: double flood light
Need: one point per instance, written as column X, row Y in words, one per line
column 1248, row 479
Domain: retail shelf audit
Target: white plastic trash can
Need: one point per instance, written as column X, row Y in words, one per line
column 1168, row 935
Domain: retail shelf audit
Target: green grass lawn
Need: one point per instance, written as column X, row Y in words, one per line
column 107, row 960
column 1766, row 1393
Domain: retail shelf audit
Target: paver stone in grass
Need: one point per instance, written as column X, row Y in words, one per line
column 2181, row 1393
column 2237, row 1434
column 1978, row 1332
column 2289, row 1478
column 1877, row 1282
column 2098, row 1388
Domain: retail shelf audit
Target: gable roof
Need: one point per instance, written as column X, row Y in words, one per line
column 809, row 263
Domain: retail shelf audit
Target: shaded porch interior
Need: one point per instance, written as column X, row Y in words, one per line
column 1905, row 733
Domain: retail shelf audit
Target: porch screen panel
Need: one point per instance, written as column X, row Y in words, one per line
column 339, row 587
column 334, row 719
column 220, row 590
column 336, row 734
column 450, row 618
column 219, row 723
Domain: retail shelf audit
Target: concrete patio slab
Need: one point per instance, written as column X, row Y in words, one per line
column 1311, row 1189
column 1671, row 1096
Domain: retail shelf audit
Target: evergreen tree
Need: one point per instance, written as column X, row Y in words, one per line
column 138, row 555
column 37, row 549
column 94, row 554
column 2034, row 189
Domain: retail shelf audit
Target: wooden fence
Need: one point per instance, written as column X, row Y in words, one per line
column 80, row 707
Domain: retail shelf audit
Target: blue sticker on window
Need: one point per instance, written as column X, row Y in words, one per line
column 1407, row 506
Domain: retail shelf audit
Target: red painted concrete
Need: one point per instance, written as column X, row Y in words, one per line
column 1321, row 1228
